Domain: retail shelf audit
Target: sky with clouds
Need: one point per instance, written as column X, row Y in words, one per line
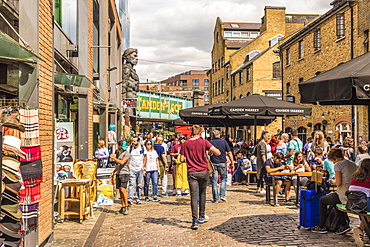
column 173, row 33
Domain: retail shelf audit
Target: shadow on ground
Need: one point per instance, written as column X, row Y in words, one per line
column 168, row 221
column 277, row 230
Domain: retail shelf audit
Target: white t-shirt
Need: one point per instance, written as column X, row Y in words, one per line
column 151, row 161
column 137, row 158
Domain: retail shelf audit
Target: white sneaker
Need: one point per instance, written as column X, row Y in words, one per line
column 262, row 191
column 258, row 190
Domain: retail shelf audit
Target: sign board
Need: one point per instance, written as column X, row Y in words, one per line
column 277, row 94
column 160, row 105
column 129, row 103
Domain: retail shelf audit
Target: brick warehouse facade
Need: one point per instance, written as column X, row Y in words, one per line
column 253, row 66
column 301, row 61
column 45, row 115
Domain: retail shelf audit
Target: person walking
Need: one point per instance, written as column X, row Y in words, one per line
column 102, row 154
column 163, row 165
column 262, row 154
column 137, row 165
column 122, row 159
column 194, row 152
column 151, row 171
column 181, row 184
column 219, row 162
column 294, row 146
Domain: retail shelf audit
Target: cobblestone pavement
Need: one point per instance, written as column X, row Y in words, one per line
column 244, row 220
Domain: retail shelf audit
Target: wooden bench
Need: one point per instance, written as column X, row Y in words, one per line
column 249, row 176
column 364, row 217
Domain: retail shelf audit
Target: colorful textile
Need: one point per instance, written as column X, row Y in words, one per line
column 32, row 153
column 31, row 172
column 30, row 194
column 30, row 120
column 29, row 217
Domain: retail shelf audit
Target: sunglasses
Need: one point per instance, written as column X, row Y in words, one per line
column 148, row 144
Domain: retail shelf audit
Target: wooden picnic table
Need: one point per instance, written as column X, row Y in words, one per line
column 273, row 175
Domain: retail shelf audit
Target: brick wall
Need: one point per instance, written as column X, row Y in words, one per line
column 333, row 52
column 90, row 76
column 45, row 115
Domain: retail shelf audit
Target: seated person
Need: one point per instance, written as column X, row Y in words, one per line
column 344, row 170
column 328, row 170
column 300, row 165
column 363, row 153
column 238, row 170
column 318, row 159
column 361, row 182
column 275, row 164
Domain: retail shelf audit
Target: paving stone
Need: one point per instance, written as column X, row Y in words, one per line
column 244, row 220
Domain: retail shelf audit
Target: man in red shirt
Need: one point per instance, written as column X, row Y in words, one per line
column 194, row 150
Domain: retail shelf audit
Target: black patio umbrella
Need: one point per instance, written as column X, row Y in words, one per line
column 179, row 122
column 346, row 84
column 257, row 105
column 199, row 115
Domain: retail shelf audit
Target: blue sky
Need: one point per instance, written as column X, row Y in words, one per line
column 181, row 31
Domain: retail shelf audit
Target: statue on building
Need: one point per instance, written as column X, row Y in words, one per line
column 130, row 79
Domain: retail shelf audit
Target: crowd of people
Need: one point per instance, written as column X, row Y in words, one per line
column 147, row 160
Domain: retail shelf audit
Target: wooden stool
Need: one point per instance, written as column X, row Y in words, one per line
column 80, row 199
column 249, row 176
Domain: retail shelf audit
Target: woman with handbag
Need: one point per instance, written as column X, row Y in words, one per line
column 193, row 151
column 358, row 190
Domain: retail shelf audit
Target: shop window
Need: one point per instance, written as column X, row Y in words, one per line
column 276, row 70
column 302, row 134
column 249, row 74
column 206, row 82
column 342, row 130
column 65, row 14
column 287, row 57
column 288, row 130
column 195, row 82
column 366, row 40
column 340, row 25
column 317, row 127
column 288, row 89
column 301, row 49
column 317, row 39
column 184, row 83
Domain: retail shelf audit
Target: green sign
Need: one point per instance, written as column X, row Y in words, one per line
column 160, row 105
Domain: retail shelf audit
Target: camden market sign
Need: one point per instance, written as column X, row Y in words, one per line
column 160, row 105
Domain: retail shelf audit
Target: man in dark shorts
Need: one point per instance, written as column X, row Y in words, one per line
column 122, row 158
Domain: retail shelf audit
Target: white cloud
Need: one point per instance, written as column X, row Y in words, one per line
column 181, row 31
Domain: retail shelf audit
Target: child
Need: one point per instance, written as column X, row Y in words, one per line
column 230, row 170
column 238, row 172
column 318, row 159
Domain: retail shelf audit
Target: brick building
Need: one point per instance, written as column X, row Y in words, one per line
column 67, row 69
column 184, row 85
column 252, row 67
column 339, row 35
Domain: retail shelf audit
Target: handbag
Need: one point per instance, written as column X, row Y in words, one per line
column 211, row 167
column 356, row 201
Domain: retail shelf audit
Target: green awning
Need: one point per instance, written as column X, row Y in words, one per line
column 71, row 80
column 10, row 49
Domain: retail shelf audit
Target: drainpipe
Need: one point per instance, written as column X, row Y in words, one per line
column 282, row 86
column 354, row 107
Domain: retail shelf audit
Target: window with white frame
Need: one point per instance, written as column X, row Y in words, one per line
column 300, row 49
column 317, row 39
column 340, row 25
column 342, row 130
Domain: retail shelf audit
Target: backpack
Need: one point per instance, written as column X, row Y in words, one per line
column 356, row 201
column 246, row 165
column 142, row 148
column 334, row 218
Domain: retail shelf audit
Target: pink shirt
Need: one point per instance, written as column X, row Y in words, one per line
column 195, row 153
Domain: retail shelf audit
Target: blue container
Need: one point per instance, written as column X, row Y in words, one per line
column 309, row 215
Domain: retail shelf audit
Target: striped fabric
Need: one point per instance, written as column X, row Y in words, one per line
column 30, row 120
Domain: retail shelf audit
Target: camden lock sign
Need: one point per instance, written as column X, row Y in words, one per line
column 160, row 105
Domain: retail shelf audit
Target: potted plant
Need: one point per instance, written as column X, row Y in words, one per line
column 324, row 122
column 309, row 124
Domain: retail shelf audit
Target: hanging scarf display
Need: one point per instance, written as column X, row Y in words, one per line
column 29, row 217
column 30, row 194
column 31, row 172
column 30, row 120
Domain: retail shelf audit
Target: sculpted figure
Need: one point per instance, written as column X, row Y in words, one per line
column 130, row 79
